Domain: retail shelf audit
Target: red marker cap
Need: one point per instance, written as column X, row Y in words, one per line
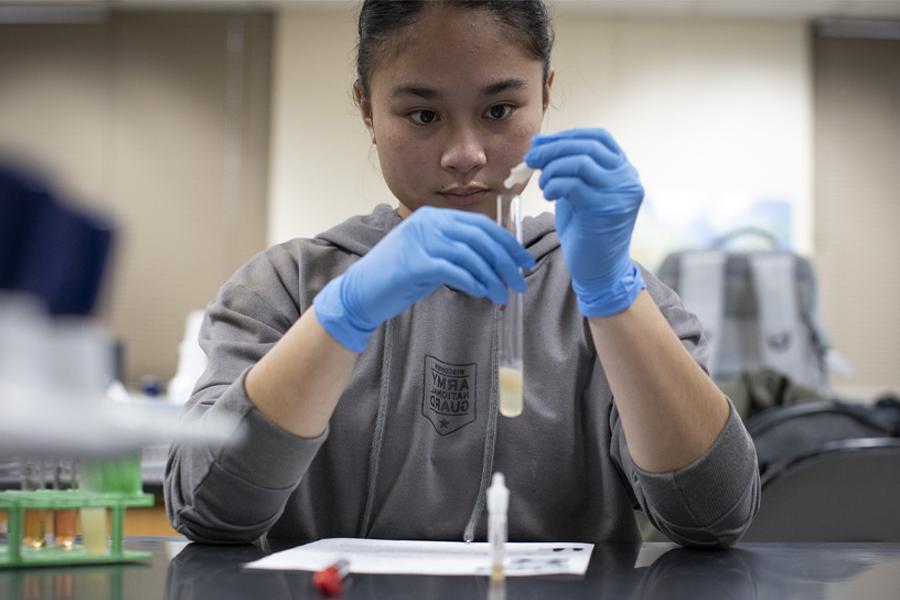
column 330, row 580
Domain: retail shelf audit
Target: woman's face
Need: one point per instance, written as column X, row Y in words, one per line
column 452, row 107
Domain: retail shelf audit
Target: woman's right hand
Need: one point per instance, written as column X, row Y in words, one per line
column 432, row 247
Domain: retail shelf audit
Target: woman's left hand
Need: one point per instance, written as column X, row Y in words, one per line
column 598, row 194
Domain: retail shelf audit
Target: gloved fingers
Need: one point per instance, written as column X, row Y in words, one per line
column 468, row 259
column 581, row 167
column 540, row 156
column 520, row 255
column 564, row 213
column 624, row 200
column 581, row 133
column 568, row 188
column 448, row 273
column 493, row 252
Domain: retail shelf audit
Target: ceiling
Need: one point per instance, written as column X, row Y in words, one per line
column 756, row 9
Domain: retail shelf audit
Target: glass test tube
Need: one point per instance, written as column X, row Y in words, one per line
column 102, row 475
column 94, row 530
column 64, row 520
column 509, row 216
column 35, row 534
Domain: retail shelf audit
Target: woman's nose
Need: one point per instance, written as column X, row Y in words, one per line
column 464, row 152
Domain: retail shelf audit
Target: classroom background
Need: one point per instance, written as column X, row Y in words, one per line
column 207, row 131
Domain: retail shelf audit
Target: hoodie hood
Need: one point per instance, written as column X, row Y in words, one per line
column 357, row 235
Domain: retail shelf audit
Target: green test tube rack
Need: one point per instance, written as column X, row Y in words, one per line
column 110, row 485
column 15, row 502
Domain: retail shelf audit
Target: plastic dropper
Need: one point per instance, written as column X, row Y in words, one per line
column 512, row 317
column 498, row 504
column 518, row 175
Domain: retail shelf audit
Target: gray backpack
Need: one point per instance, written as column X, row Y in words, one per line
column 758, row 308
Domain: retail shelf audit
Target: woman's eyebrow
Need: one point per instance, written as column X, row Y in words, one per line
column 430, row 94
column 503, row 86
column 414, row 90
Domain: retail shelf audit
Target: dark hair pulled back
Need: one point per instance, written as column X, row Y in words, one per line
column 379, row 20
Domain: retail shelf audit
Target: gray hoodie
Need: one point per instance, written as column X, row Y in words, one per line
column 416, row 434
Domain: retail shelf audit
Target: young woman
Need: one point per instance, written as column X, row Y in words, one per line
column 363, row 363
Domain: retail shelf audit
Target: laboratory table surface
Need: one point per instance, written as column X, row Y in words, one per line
column 179, row 570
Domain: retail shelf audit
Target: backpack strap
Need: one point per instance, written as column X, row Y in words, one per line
column 781, row 343
column 701, row 285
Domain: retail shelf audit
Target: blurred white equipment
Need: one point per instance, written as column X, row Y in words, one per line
column 54, row 375
column 191, row 360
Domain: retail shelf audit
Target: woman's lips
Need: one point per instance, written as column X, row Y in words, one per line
column 466, row 197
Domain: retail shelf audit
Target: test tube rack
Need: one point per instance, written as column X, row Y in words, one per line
column 14, row 554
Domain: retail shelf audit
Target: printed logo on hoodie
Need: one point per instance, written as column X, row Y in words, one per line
column 449, row 394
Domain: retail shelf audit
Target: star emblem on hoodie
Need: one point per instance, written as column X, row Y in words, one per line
column 444, row 423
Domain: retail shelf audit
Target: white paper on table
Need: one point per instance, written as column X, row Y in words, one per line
column 431, row 558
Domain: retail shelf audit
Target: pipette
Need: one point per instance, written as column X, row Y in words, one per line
column 509, row 216
column 497, row 503
column 518, row 175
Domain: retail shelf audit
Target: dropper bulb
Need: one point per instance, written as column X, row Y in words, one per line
column 518, row 175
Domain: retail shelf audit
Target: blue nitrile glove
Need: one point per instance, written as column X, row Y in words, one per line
column 597, row 194
column 432, row 247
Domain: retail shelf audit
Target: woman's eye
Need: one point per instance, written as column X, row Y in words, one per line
column 423, row 117
column 499, row 111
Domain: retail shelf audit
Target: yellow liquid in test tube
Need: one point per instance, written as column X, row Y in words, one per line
column 510, row 392
column 93, row 525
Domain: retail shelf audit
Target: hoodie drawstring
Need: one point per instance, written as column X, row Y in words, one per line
column 381, row 418
column 490, row 437
column 378, row 435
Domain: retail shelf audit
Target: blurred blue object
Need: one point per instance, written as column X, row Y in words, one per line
column 151, row 386
column 53, row 251
column 21, row 201
column 64, row 258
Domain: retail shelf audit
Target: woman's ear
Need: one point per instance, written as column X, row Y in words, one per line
column 551, row 76
column 365, row 108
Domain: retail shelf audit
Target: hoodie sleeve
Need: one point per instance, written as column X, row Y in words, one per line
column 710, row 502
column 235, row 493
